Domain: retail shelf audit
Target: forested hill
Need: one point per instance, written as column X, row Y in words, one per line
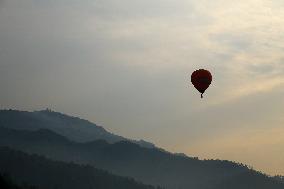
column 7, row 183
column 48, row 174
column 150, row 166
column 74, row 128
column 279, row 178
column 249, row 180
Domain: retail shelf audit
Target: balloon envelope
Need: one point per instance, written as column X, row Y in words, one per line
column 201, row 79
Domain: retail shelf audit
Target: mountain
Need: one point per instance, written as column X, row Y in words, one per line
column 150, row 166
column 74, row 128
column 249, row 180
column 7, row 183
column 279, row 178
column 48, row 174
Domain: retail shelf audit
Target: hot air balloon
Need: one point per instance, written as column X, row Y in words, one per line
column 201, row 79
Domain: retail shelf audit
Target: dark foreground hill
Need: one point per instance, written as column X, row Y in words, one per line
column 74, row 128
column 7, row 183
column 47, row 174
column 150, row 166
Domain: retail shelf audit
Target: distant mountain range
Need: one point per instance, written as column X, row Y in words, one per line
column 150, row 166
column 47, row 174
column 68, row 139
column 74, row 128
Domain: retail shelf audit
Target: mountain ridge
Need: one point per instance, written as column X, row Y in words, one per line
column 49, row 174
column 74, row 128
column 150, row 166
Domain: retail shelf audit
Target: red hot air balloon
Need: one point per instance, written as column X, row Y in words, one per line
column 201, row 79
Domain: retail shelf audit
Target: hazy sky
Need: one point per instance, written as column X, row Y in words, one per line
column 126, row 65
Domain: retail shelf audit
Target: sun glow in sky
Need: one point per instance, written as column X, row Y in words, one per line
column 126, row 65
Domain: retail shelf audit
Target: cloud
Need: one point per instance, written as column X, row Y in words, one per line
column 2, row 4
column 126, row 64
column 248, row 89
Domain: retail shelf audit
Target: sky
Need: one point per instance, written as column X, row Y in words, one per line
column 126, row 65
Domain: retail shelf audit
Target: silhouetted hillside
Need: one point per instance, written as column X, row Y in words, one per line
column 279, row 178
column 151, row 166
column 72, row 127
column 249, row 180
column 7, row 183
column 47, row 174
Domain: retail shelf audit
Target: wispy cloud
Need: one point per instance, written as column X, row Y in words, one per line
column 247, row 89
